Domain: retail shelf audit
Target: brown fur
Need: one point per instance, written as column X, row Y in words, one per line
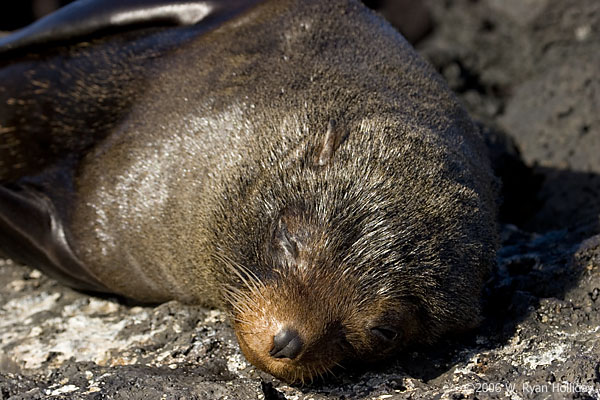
column 213, row 181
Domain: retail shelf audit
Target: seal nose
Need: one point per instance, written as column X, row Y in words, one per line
column 286, row 344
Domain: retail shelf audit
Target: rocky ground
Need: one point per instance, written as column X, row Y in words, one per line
column 528, row 70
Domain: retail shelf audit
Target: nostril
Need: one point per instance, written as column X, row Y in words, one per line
column 286, row 344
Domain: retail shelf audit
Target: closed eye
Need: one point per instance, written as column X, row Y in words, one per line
column 384, row 333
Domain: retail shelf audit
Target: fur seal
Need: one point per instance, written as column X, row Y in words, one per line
column 295, row 163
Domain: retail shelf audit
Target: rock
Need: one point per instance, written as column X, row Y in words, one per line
column 542, row 315
column 529, row 68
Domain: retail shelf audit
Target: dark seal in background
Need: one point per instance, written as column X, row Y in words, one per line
column 411, row 17
column 16, row 14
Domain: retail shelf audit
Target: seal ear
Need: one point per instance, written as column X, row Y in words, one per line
column 334, row 137
column 83, row 18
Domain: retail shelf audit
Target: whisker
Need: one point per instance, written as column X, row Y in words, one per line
column 248, row 278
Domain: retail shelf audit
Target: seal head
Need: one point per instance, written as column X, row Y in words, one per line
column 349, row 261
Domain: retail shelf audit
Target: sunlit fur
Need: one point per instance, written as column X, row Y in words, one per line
column 385, row 240
column 194, row 152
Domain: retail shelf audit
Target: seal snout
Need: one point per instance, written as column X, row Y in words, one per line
column 286, row 344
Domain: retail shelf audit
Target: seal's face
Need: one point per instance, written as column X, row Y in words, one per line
column 311, row 314
column 353, row 253
column 297, row 346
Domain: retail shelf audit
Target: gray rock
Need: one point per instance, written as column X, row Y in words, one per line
column 532, row 71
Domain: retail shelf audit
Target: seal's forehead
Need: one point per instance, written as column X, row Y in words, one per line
column 85, row 18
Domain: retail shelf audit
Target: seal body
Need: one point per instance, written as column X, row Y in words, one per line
column 299, row 166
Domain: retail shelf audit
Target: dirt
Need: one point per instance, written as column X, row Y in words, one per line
column 528, row 70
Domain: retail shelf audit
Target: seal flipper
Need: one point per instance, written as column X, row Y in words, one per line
column 32, row 233
column 86, row 17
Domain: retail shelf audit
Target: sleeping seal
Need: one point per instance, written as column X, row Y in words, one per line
column 292, row 162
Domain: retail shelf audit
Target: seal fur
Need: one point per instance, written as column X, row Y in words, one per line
column 299, row 166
